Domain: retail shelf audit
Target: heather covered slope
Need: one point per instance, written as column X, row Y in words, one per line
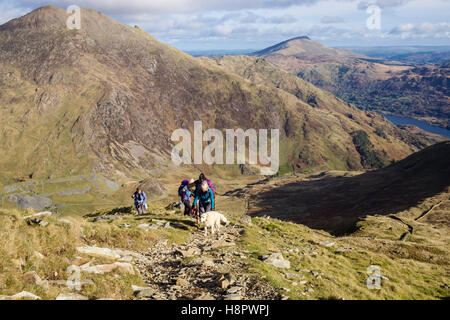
column 106, row 99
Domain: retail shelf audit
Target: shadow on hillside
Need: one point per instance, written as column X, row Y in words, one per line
column 335, row 204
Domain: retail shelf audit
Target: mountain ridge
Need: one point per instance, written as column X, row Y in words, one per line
column 105, row 99
column 370, row 84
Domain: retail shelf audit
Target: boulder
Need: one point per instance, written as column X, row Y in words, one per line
column 106, row 268
column 44, row 223
column 125, row 267
column 144, row 293
column 126, row 259
column 226, row 280
column 190, row 252
column 99, row 252
column 277, row 260
column 233, row 290
column 327, row 243
column 24, row 295
column 38, row 215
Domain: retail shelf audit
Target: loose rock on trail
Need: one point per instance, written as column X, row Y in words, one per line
column 204, row 268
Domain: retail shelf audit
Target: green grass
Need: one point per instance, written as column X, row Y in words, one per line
column 20, row 245
column 341, row 275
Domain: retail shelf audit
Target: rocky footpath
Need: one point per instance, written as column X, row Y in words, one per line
column 204, row 268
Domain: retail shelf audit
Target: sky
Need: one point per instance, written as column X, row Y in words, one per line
column 255, row 24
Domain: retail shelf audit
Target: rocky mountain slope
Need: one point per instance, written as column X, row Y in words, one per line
column 261, row 71
column 106, row 98
column 371, row 84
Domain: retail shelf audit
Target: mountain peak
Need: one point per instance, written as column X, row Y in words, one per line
column 51, row 17
column 299, row 38
column 303, row 46
column 41, row 17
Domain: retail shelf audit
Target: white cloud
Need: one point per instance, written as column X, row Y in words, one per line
column 332, row 20
column 169, row 6
column 437, row 30
column 256, row 23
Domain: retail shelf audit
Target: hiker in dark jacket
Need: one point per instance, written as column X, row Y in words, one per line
column 185, row 193
column 140, row 200
column 202, row 178
column 198, row 184
column 205, row 198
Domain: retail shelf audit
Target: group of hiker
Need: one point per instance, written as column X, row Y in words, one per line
column 201, row 190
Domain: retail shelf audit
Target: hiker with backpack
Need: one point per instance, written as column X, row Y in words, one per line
column 205, row 198
column 185, row 193
column 199, row 182
column 140, row 201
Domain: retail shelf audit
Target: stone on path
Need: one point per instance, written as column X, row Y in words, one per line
column 234, row 290
column 205, row 296
column 182, row 282
column 190, row 252
column 142, row 292
column 233, row 296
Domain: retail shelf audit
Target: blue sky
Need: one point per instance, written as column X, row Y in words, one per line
column 255, row 24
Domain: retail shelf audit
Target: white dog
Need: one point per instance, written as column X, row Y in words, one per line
column 213, row 220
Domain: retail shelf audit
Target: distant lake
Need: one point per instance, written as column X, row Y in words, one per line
column 418, row 123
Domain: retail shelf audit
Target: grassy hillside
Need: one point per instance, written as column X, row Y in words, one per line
column 322, row 266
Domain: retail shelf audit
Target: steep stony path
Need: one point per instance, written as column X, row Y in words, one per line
column 203, row 268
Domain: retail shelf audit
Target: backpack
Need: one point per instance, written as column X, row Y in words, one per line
column 139, row 197
column 211, row 186
column 184, row 183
